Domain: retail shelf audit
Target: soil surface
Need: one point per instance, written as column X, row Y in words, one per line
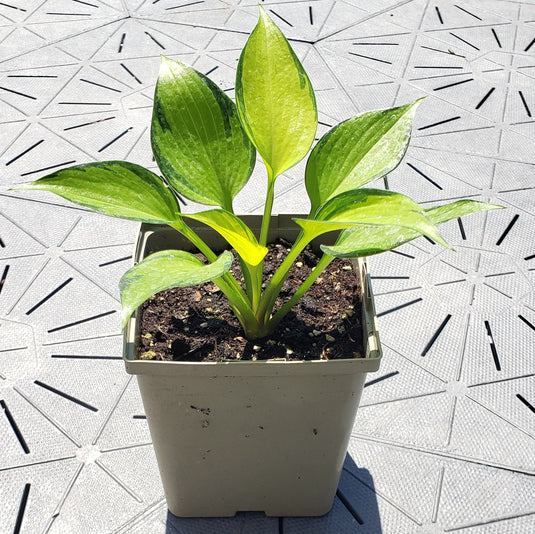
column 196, row 323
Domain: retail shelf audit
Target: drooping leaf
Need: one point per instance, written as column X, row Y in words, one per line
column 371, row 207
column 275, row 98
column 357, row 151
column 164, row 270
column 235, row 231
column 369, row 240
column 197, row 138
column 116, row 188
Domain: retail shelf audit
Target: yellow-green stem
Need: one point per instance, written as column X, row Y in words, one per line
column 273, row 289
column 187, row 232
column 227, row 283
column 266, row 219
column 256, row 283
column 288, row 305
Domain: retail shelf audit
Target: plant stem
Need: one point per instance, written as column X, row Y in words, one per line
column 256, row 283
column 273, row 289
column 227, row 283
column 267, row 207
column 258, row 271
column 325, row 260
column 247, row 277
column 188, row 233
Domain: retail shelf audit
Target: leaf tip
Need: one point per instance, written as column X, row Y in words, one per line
column 264, row 19
column 169, row 63
column 413, row 106
column 24, row 187
column 441, row 241
column 260, row 254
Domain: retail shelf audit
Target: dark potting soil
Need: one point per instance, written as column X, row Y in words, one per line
column 196, row 323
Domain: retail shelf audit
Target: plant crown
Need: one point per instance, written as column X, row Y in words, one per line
column 205, row 146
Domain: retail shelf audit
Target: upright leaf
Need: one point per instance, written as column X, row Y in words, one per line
column 371, row 207
column 116, row 188
column 369, row 240
column 197, row 138
column 235, row 231
column 357, row 151
column 163, row 270
column 275, row 99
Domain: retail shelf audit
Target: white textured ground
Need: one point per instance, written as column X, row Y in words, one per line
column 444, row 440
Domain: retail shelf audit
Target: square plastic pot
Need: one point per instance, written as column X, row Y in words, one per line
column 265, row 436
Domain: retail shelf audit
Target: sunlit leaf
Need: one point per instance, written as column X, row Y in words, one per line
column 164, row 270
column 371, row 207
column 357, row 151
column 369, row 240
column 197, row 138
column 235, row 231
column 275, row 99
column 116, row 188
column 442, row 214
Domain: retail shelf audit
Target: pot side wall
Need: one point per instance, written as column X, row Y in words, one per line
column 270, row 444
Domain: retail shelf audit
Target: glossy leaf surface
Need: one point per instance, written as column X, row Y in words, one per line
column 369, row 240
column 164, row 270
column 197, row 139
column 275, row 98
column 357, row 151
column 116, row 188
column 371, row 207
column 236, row 232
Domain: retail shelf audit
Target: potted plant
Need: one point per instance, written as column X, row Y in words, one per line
column 252, row 435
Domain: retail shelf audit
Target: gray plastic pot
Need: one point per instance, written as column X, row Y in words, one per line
column 265, row 436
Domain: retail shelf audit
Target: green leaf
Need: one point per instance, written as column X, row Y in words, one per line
column 357, row 151
column 163, row 270
column 442, row 214
column 235, row 231
column 116, row 188
column 275, row 99
column 369, row 240
column 371, row 207
column 197, row 138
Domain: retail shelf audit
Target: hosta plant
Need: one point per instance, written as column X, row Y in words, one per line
column 205, row 146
